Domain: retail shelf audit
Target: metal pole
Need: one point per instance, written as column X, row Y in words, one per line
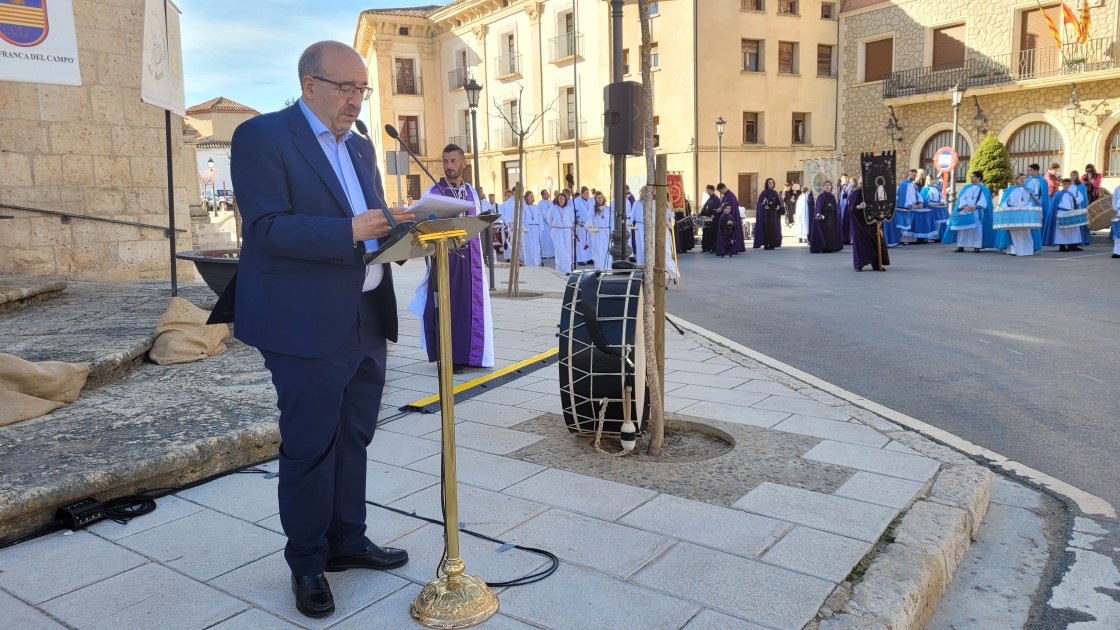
column 952, row 174
column 488, row 233
column 618, row 162
column 575, row 90
column 719, row 156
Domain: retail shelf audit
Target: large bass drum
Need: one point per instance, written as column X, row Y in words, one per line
column 602, row 350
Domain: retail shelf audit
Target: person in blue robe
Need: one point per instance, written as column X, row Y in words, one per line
column 1066, row 238
column 1019, row 241
column 970, row 224
column 1081, row 197
column 934, row 199
column 913, row 218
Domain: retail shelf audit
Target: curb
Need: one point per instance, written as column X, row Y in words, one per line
column 910, row 570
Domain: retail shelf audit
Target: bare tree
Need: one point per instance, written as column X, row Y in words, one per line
column 520, row 130
column 653, row 274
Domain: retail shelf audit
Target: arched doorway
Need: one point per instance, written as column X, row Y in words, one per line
column 1034, row 143
column 1112, row 154
column 945, row 139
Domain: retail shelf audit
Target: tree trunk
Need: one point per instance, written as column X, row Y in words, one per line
column 653, row 275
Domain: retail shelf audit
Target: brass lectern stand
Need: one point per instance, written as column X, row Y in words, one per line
column 454, row 599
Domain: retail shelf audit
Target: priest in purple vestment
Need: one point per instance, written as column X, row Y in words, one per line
column 730, row 199
column 472, row 329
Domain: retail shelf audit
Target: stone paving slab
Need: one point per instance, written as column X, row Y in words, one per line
column 850, row 432
column 591, row 496
column 149, row 596
column 615, row 549
column 16, row 614
column 53, row 565
column 880, row 461
column 879, row 489
column 820, row 554
column 829, row 513
column 484, row 470
column 575, row 598
column 758, row 592
column 720, row 528
column 483, row 511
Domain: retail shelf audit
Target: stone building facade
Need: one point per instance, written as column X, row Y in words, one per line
column 94, row 150
column 768, row 68
column 1046, row 103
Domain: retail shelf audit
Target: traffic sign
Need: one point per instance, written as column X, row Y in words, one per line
column 945, row 159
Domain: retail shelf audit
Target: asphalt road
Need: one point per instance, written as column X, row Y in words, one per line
column 1019, row 355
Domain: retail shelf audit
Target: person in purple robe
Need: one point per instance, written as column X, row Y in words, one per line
column 844, row 193
column 725, row 243
column 472, row 328
column 867, row 241
column 730, row 199
column 824, row 220
column 768, row 213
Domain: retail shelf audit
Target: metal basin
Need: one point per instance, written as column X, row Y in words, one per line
column 216, row 266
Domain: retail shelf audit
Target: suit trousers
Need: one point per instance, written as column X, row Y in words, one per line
column 328, row 415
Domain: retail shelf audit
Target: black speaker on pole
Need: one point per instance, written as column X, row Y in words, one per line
column 623, row 120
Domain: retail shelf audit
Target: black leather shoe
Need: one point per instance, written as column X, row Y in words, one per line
column 1074, row 248
column 959, row 250
column 313, row 595
column 372, row 558
column 458, row 368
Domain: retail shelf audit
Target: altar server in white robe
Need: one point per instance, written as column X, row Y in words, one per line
column 545, row 204
column 1066, row 238
column 531, row 231
column 561, row 220
column 599, row 226
column 583, row 205
column 635, row 218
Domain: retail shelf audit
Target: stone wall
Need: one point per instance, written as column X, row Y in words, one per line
column 93, row 150
column 990, row 32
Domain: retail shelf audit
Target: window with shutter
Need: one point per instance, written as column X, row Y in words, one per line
column 787, row 58
column 878, row 59
column 824, row 61
column 948, row 46
column 751, row 60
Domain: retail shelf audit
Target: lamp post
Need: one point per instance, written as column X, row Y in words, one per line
column 1073, row 107
column 213, row 184
column 720, row 124
column 957, row 96
column 474, row 91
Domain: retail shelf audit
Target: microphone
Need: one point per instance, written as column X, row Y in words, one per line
column 392, row 131
column 397, row 231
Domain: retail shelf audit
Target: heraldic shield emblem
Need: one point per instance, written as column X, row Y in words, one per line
column 23, row 22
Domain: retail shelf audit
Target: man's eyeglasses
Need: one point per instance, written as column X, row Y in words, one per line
column 347, row 90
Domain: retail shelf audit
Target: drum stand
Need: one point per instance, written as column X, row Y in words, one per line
column 454, row 599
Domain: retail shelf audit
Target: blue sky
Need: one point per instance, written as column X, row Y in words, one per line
column 247, row 50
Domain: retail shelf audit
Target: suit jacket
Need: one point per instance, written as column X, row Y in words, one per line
column 298, row 288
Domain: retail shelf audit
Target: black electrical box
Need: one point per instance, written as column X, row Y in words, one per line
column 78, row 515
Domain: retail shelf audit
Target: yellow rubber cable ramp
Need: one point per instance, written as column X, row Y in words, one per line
column 488, row 381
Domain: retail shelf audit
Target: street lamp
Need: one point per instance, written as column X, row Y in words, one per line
column 980, row 121
column 957, row 95
column 720, row 124
column 559, row 178
column 213, row 184
column 474, row 91
column 893, row 128
column 1073, row 107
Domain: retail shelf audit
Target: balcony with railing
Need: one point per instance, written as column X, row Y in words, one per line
column 566, row 46
column 563, row 129
column 1025, row 65
column 463, row 141
column 457, row 79
column 407, row 84
column 509, row 66
column 504, row 138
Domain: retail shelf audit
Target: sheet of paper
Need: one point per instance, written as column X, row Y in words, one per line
column 440, row 207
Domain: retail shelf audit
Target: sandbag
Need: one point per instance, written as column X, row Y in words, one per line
column 29, row 390
column 183, row 336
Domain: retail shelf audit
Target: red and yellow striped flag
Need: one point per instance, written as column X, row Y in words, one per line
column 1084, row 22
column 1069, row 17
column 1053, row 27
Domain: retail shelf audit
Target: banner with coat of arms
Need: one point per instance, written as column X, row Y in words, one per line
column 676, row 191
column 161, row 81
column 38, row 43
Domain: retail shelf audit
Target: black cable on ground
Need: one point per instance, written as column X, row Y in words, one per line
column 536, row 576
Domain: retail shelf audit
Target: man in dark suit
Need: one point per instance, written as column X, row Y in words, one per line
column 311, row 199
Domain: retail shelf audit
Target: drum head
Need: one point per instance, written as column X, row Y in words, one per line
column 1101, row 213
column 600, row 356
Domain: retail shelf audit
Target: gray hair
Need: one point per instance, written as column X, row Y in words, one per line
column 311, row 61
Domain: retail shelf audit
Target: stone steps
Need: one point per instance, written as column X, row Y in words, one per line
column 17, row 292
column 109, row 326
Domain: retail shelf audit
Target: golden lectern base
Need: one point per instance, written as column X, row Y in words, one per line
column 468, row 603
